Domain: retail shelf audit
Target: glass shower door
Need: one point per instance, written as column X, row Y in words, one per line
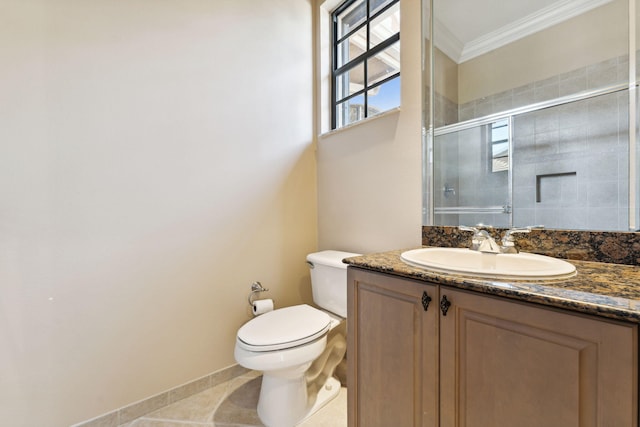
column 472, row 174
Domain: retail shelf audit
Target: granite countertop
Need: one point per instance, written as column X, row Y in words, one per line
column 603, row 289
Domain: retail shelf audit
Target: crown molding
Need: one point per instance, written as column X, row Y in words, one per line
column 530, row 24
column 446, row 41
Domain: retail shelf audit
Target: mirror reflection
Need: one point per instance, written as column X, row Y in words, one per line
column 471, row 175
column 531, row 115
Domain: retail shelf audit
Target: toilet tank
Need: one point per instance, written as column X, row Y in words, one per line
column 329, row 280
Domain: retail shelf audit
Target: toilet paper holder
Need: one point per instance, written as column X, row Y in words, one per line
column 256, row 287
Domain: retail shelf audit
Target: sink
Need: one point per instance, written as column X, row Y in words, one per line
column 520, row 266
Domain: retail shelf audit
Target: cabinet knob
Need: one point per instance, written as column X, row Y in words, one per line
column 426, row 299
column 444, row 305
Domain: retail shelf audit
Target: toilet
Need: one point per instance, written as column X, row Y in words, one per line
column 284, row 343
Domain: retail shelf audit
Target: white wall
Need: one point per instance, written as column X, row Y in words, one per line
column 155, row 158
column 370, row 174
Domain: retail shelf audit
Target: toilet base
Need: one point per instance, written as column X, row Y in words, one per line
column 276, row 390
column 326, row 394
column 283, row 397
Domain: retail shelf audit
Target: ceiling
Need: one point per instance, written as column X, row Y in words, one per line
column 465, row 29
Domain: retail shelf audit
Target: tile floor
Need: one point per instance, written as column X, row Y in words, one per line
column 233, row 404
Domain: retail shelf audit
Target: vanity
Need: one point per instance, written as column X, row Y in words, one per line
column 513, row 136
column 430, row 348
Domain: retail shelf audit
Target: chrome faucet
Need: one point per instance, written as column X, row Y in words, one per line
column 483, row 242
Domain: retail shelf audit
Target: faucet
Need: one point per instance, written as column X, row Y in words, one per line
column 483, row 242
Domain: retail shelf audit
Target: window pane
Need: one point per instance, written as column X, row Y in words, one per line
column 350, row 111
column 350, row 48
column 384, row 97
column 351, row 17
column 500, row 130
column 384, row 64
column 375, row 5
column 350, row 82
column 385, row 25
column 500, row 145
column 366, row 59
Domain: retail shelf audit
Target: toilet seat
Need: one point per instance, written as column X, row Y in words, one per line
column 283, row 328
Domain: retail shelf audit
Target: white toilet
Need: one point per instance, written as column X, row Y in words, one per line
column 283, row 343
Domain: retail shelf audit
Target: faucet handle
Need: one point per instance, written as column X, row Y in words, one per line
column 475, row 242
column 481, row 226
column 508, row 242
column 508, row 233
column 480, row 235
column 476, row 228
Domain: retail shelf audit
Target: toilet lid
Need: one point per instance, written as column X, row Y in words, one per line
column 283, row 328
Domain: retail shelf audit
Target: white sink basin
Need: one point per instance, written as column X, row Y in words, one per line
column 521, row 266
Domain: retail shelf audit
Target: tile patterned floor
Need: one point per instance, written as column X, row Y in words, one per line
column 233, row 404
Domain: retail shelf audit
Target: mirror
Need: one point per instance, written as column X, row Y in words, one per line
column 532, row 105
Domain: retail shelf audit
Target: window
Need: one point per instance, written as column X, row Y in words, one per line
column 500, row 146
column 366, row 60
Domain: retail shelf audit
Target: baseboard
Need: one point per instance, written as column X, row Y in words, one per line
column 138, row 409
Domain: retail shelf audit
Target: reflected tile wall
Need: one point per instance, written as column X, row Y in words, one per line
column 569, row 160
column 571, row 165
column 595, row 76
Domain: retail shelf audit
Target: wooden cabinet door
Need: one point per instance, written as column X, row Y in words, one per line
column 391, row 351
column 506, row 364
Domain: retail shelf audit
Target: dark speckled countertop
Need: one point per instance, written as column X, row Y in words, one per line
column 603, row 289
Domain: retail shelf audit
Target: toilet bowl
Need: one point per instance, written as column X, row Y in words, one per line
column 285, row 342
column 284, row 358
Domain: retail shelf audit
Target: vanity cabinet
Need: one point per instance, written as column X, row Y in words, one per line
column 488, row 361
column 392, row 354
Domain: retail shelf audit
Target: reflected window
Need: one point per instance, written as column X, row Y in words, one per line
column 366, row 60
column 499, row 137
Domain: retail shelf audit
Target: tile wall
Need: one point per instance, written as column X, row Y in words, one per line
column 570, row 162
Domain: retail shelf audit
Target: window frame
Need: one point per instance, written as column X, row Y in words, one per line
column 360, row 59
